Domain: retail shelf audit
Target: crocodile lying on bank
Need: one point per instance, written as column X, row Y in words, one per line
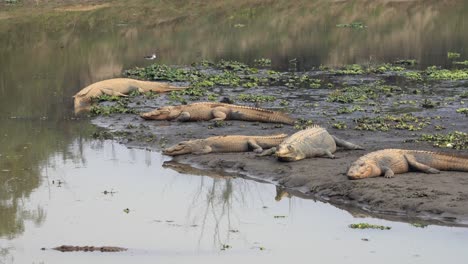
column 314, row 141
column 234, row 143
column 389, row 162
column 118, row 87
column 205, row 111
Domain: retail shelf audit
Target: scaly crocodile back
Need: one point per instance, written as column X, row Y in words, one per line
column 248, row 113
column 437, row 160
column 313, row 135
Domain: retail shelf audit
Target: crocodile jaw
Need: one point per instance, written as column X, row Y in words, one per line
column 361, row 169
column 158, row 114
column 179, row 149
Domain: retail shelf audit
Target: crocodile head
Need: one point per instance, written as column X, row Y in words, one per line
column 183, row 147
column 163, row 113
column 288, row 153
column 363, row 169
column 82, row 104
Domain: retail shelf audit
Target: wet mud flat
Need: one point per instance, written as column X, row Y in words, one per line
column 376, row 109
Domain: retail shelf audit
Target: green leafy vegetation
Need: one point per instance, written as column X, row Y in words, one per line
column 262, row 62
column 427, row 103
column 464, row 63
column 255, row 98
column 413, row 76
column 368, row 226
column 388, row 122
column 340, row 125
column 419, row 225
column 406, row 62
column 119, row 108
column 355, row 25
column 302, row 123
column 436, row 73
column 362, row 93
column 160, row 72
column 455, row 140
column 453, row 55
column 353, row 69
column 463, row 110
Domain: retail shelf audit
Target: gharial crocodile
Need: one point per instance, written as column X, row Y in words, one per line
column 205, row 111
column 314, row 141
column 232, row 143
column 119, row 87
column 389, row 162
column 67, row 248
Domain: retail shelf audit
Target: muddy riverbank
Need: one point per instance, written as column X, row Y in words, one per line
column 376, row 109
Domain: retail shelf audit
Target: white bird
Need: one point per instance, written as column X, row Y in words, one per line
column 152, row 57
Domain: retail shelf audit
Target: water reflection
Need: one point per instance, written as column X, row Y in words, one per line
column 25, row 148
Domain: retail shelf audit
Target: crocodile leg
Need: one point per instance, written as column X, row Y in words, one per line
column 219, row 113
column 345, row 144
column 320, row 153
column 253, row 144
column 419, row 166
column 184, row 116
column 205, row 150
column 388, row 172
column 111, row 92
column 267, row 152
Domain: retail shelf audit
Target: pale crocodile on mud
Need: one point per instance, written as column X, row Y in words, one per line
column 314, row 141
column 210, row 111
column 389, row 162
column 229, row 143
column 118, row 87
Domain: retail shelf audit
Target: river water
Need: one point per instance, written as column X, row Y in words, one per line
column 59, row 186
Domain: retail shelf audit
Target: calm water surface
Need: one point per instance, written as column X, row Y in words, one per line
column 52, row 175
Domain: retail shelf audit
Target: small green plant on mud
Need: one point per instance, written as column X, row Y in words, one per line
column 464, row 63
column 413, row 75
column 427, row 103
column 435, row 73
column 385, row 123
column 203, row 63
column 455, row 140
column 232, row 65
column 340, row 125
column 108, row 98
column 284, row 102
column 161, row 72
column 353, row 69
column 262, row 62
column 369, row 226
column 302, row 123
column 463, row 110
column 406, row 62
column 355, row 25
column 362, row 93
column 119, row 108
column 254, row 98
column 453, row 55
column 419, row 225
column 212, row 97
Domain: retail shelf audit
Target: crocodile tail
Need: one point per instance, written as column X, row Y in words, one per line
column 446, row 161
